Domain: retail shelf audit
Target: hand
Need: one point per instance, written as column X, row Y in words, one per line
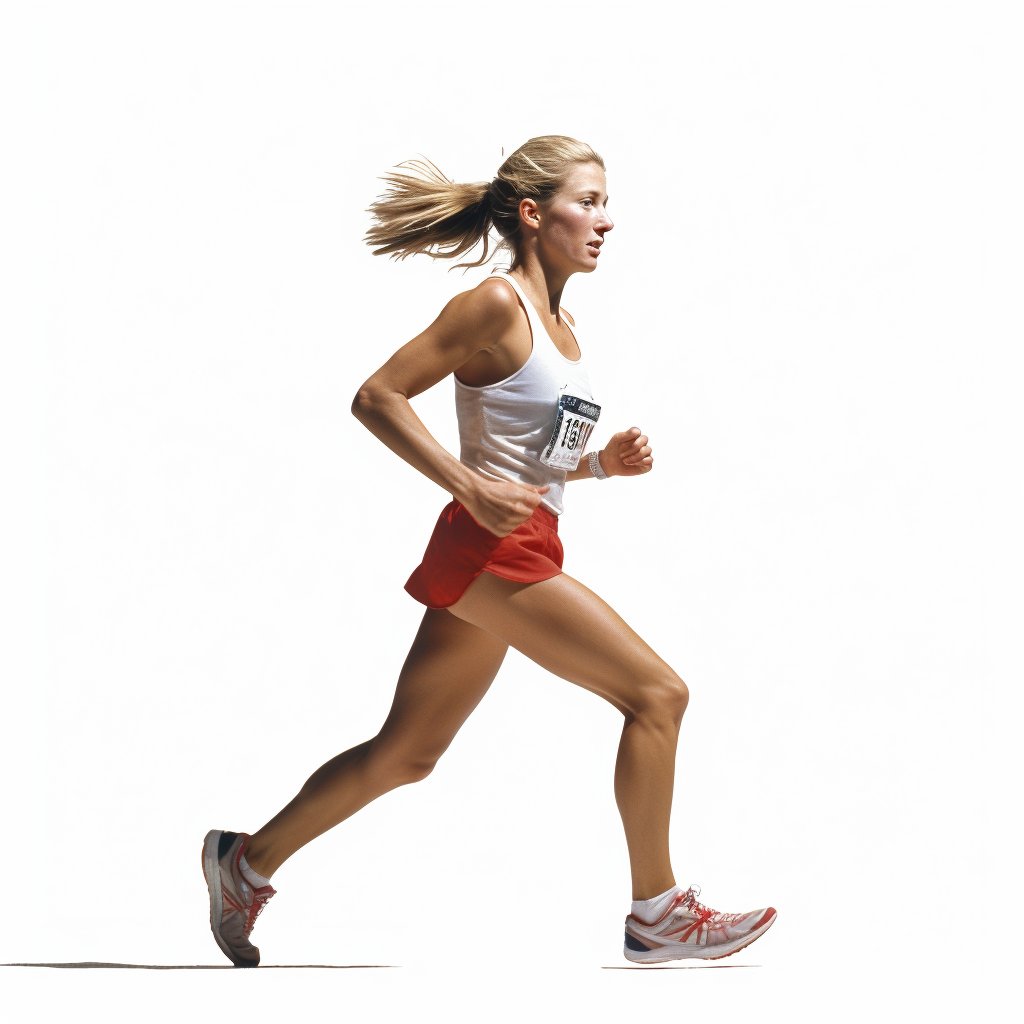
column 627, row 454
column 500, row 506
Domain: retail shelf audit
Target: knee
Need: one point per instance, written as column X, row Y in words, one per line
column 415, row 769
column 664, row 697
column 680, row 697
column 403, row 767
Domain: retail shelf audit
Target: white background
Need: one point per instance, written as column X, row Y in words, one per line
column 810, row 300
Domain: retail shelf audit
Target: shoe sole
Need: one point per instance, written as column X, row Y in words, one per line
column 662, row 955
column 211, row 869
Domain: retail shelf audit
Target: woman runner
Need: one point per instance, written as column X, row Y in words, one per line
column 491, row 575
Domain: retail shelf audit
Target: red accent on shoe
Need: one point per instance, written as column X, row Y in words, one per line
column 688, row 899
column 259, row 901
column 259, row 896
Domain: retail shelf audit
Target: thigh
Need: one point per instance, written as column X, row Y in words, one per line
column 449, row 668
column 569, row 630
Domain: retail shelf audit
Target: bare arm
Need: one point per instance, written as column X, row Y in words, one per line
column 471, row 323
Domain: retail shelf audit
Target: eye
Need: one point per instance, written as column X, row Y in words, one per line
column 588, row 202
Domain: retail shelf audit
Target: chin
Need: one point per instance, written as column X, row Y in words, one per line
column 577, row 265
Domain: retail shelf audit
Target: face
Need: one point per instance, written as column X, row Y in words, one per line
column 573, row 223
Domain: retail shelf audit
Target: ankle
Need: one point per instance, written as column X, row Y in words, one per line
column 257, row 861
column 651, row 910
column 256, row 878
column 656, row 886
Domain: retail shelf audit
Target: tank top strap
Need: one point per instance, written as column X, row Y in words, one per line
column 531, row 313
column 537, row 329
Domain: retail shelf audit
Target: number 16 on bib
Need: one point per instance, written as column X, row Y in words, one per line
column 576, row 419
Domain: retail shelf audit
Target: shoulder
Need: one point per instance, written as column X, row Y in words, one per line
column 488, row 309
column 494, row 298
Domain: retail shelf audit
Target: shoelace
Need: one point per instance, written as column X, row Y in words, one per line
column 693, row 906
column 259, row 901
column 689, row 904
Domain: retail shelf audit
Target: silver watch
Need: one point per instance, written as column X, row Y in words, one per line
column 595, row 466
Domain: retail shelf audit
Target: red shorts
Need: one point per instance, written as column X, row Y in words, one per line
column 460, row 549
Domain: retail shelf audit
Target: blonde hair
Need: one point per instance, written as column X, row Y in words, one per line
column 425, row 212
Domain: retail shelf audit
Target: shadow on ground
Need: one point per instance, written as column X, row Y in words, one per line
column 350, row 967
column 204, row 967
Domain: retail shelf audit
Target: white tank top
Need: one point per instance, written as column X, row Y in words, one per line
column 504, row 427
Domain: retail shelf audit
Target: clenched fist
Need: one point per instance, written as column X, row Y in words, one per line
column 627, row 454
column 500, row 506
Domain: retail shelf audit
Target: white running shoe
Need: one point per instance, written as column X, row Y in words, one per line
column 688, row 930
column 234, row 904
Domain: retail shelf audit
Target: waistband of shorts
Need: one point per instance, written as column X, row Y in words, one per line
column 546, row 516
column 540, row 514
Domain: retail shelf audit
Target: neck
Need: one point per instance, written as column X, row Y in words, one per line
column 543, row 284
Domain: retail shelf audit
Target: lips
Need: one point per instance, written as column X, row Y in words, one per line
column 595, row 248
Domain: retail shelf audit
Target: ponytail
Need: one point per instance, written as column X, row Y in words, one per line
column 425, row 212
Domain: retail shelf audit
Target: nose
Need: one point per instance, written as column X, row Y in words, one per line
column 605, row 222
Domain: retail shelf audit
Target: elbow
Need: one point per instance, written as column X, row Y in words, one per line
column 373, row 402
column 364, row 402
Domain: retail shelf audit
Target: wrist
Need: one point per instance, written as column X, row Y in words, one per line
column 465, row 487
column 598, row 468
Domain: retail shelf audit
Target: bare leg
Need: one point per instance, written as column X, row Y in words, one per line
column 448, row 670
column 570, row 631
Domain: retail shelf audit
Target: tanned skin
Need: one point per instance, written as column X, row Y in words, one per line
column 484, row 336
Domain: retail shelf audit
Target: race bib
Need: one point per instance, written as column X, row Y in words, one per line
column 577, row 417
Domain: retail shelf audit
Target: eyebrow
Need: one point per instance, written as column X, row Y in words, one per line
column 597, row 195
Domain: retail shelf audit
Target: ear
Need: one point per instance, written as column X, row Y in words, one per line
column 529, row 212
